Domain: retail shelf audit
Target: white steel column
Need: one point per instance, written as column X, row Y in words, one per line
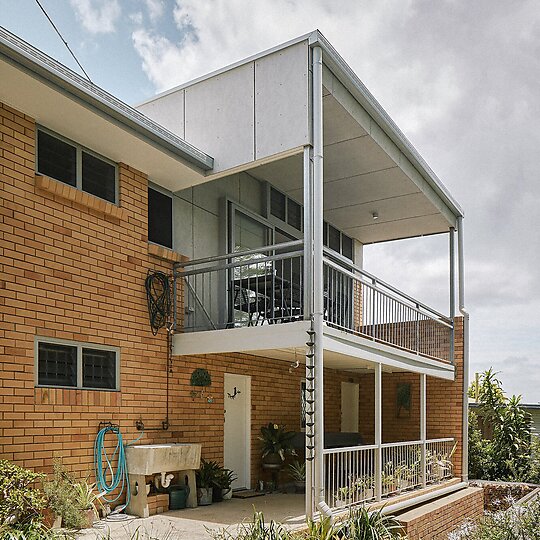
column 378, row 432
column 423, row 427
column 308, row 310
column 318, row 280
column 465, row 313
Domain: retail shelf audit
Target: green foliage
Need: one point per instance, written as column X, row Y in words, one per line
column 257, row 529
column 200, row 377
column 62, row 497
column 512, row 441
column 224, row 478
column 506, row 453
column 323, row 529
column 480, row 451
column 20, row 501
column 276, row 440
column 363, row 525
column 33, row 529
column 515, row 523
column 297, row 471
column 208, row 473
column 358, row 525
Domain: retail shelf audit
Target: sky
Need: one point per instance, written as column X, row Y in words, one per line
column 460, row 78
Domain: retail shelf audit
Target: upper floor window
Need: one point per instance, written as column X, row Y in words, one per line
column 72, row 365
column 68, row 162
column 160, row 218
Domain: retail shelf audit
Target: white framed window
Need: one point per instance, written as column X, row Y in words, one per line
column 75, row 165
column 69, row 364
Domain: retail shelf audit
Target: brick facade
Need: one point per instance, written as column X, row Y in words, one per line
column 73, row 267
column 436, row 519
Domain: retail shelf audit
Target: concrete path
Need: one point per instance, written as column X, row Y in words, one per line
column 195, row 523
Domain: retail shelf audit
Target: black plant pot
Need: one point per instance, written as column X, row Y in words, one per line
column 217, row 494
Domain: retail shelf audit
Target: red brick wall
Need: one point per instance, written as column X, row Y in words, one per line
column 435, row 520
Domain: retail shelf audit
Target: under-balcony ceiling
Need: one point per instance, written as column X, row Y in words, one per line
column 361, row 178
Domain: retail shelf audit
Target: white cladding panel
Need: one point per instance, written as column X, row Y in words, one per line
column 220, row 115
column 281, row 101
column 167, row 111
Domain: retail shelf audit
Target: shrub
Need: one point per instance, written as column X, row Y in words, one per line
column 20, row 501
column 515, row 523
column 506, row 452
column 62, row 496
column 363, row 525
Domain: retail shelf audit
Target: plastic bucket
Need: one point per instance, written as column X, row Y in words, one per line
column 178, row 497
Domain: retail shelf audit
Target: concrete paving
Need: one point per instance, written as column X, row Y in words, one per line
column 196, row 523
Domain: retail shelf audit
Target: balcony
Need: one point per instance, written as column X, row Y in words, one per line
column 265, row 287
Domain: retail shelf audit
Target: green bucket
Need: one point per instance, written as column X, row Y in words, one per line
column 178, row 497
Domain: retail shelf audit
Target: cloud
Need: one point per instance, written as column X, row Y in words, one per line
column 155, row 9
column 97, row 16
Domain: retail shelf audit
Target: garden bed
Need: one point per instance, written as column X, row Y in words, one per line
column 501, row 495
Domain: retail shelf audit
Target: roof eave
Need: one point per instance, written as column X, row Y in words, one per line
column 333, row 60
column 18, row 52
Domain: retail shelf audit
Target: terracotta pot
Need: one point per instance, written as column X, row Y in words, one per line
column 90, row 517
column 51, row 520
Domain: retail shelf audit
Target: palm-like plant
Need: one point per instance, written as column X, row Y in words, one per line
column 276, row 441
column 363, row 525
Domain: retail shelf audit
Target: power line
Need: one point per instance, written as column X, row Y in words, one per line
column 61, row 37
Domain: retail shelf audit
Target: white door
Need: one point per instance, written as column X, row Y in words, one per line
column 237, row 400
column 349, row 407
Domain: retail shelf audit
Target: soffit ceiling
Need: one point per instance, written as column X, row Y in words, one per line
column 360, row 178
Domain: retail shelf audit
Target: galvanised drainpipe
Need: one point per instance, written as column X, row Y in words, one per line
column 463, row 311
column 318, row 279
column 452, row 248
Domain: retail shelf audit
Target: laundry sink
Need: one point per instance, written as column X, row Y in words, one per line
column 143, row 459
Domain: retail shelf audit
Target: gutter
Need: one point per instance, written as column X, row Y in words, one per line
column 356, row 87
column 465, row 313
column 42, row 67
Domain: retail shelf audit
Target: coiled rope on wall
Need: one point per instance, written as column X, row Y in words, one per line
column 158, row 295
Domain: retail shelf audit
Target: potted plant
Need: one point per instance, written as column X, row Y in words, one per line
column 205, row 478
column 87, row 500
column 277, row 444
column 297, row 472
column 225, row 479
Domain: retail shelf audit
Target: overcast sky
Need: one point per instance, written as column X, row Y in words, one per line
column 461, row 78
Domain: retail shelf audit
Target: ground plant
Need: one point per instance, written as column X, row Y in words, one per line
column 515, row 523
column 504, row 449
column 62, row 494
column 359, row 524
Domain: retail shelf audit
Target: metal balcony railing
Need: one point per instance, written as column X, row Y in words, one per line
column 352, row 476
column 360, row 303
column 247, row 288
column 266, row 286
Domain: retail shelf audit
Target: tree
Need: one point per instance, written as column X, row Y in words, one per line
column 504, row 452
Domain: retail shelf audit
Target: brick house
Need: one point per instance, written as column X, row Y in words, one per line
column 220, row 184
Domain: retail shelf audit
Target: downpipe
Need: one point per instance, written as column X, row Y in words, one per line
column 318, row 280
column 465, row 313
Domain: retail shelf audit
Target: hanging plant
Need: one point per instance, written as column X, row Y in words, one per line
column 200, row 377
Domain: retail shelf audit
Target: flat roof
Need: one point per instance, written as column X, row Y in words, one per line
column 337, row 65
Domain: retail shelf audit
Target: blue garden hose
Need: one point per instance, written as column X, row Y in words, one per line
column 118, row 479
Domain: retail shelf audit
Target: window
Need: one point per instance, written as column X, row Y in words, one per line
column 337, row 241
column 285, row 209
column 76, row 166
column 72, row 365
column 160, row 218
